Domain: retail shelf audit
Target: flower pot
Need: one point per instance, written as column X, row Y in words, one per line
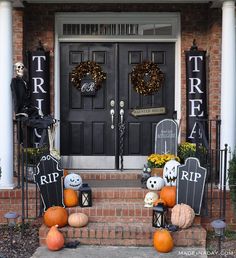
column 157, row 172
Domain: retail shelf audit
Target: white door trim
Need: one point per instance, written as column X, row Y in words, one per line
column 144, row 17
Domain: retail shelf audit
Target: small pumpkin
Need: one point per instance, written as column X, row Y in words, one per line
column 182, row 215
column 168, row 194
column 159, row 201
column 55, row 239
column 55, row 215
column 78, row 220
column 73, row 181
column 70, row 197
column 163, row 241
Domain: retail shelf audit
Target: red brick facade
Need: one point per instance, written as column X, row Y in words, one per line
column 198, row 21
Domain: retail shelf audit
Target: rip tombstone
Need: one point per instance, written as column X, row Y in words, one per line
column 190, row 184
column 49, row 179
column 166, row 135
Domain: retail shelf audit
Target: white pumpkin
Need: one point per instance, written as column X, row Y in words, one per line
column 155, row 183
column 150, row 198
column 73, row 181
column 170, row 172
column 78, row 220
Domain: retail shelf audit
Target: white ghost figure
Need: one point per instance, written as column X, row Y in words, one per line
column 73, row 181
column 170, row 171
column 150, row 198
column 155, row 183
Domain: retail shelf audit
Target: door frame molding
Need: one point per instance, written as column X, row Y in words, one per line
column 129, row 17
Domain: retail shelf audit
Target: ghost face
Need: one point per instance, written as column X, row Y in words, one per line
column 19, row 68
column 155, row 183
column 170, row 172
column 150, row 198
column 73, row 181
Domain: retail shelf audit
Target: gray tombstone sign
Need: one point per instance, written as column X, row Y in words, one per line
column 49, row 179
column 190, row 184
column 166, row 135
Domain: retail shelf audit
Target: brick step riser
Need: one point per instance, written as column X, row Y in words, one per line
column 121, row 235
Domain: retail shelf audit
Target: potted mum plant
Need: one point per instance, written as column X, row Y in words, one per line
column 157, row 161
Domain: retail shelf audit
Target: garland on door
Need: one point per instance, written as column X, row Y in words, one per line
column 147, row 78
column 87, row 68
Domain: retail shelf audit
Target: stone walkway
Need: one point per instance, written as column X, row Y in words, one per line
column 118, row 252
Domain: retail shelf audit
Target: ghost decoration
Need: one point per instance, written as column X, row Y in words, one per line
column 170, row 171
column 150, row 198
column 73, row 181
column 155, row 183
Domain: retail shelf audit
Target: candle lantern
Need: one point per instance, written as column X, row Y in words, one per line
column 85, row 196
column 159, row 216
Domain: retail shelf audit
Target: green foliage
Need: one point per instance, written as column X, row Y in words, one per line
column 33, row 155
column 232, row 180
column 186, row 150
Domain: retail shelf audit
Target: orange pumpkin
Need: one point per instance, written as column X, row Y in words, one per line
column 168, row 194
column 65, row 172
column 159, row 201
column 70, row 198
column 55, row 239
column 163, row 241
column 55, row 215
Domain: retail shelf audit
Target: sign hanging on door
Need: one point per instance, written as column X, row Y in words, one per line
column 196, row 92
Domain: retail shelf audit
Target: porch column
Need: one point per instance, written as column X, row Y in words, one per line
column 6, row 128
column 228, row 74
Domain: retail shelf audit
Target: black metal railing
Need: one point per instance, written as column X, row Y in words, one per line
column 215, row 160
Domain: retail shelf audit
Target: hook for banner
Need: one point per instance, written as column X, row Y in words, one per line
column 40, row 46
column 194, row 46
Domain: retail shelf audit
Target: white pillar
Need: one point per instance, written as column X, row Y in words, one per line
column 228, row 74
column 6, row 125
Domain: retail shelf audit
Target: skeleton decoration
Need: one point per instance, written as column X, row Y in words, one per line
column 155, row 183
column 170, row 171
column 150, row 198
column 73, row 181
column 145, row 175
column 19, row 69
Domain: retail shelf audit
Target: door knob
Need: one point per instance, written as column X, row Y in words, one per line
column 122, row 115
column 122, row 103
column 112, row 103
column 112, row 113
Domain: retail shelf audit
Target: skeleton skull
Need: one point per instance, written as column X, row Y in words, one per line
column 150, row 198
column 19, row 68
column 170, row 172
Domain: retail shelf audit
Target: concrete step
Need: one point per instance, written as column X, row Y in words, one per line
column 125, row 234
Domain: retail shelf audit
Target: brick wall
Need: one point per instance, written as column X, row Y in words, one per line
column 198, row 21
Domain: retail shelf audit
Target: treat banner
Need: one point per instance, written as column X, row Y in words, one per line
column 196, row 93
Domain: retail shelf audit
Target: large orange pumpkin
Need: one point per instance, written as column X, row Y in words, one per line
column 163, row 241
column 70, row 198
column 55, row 239
column 55, row 215
column 168, row 194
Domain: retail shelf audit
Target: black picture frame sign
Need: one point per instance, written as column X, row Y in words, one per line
column 49, row 180
column 190, row 184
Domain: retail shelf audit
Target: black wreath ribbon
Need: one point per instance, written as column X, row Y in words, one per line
column 147, row 78
column 85, row 68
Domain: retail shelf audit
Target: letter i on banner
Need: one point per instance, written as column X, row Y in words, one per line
column 196, row 92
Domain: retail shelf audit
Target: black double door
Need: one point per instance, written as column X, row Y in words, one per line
column 89, row 125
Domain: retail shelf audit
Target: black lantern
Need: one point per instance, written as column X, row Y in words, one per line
column 85, row 196
column 159, row 216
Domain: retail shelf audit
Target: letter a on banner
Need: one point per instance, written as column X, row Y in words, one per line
column 196, row 93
